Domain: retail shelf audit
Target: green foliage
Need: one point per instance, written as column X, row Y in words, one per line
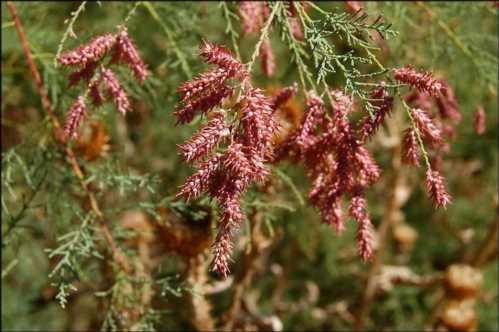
column 59, row 271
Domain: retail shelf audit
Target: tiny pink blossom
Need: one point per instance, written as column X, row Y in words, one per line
column 93, row 51
column 223, row 58
column 383, row 104
column 116, row 91
column 479, row 120
column 253, row 15
column 202, row 142
column 212, row 98
column 435, row 185
column 267, row 58
column 426, row 126
column 126, row 52
column 358, row 210
column 314, row 112
column 422, row 81
column 447, row 104
column 199, row 182
column 410, row 148
column 76, row 114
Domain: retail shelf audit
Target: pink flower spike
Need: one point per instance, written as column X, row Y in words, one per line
column 383, row 102
column 204, row 103
column 479, row 120
column 93, row 51
column 85, row 74
column 126, row 52
column 422, row 81
column 75, row 117
column 410, row 148
column 314, row 112
column 447, row 105
column 358, row 211
column 199, row 182
column 267, row 58
column 223, row 58
column 252, row 15
column 426, row 126
column 435, row 185
column 202, row 142
column 116, row 91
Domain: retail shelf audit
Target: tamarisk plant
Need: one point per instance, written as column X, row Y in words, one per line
column 101, row 82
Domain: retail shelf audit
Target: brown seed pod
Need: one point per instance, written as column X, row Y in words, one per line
column 459, row 315
column 405, row 236
column 463, row 281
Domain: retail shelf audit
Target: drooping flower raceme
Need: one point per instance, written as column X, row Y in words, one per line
column 89, row 58
column 428, row 129
column 225, row 173
column 336, row 162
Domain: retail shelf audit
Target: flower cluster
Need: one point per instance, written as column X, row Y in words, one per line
column 428, row 129
column 88, row 59
column 336, row 160
column 225, row 174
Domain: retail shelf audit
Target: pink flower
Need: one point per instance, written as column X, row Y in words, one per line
column 126, row 52
column 253, row 15
column 419, row 100
column 95, row 94
column 435, row 185
column 369, row 172
column 93, row 51
column 358, row 211
column 294, row 20
column 296, row 28
column 422, row 81
column 222, row 247
column 116, row 91
column 410, row 148
column 223, row 58
column 314, row 112
column 257, row 122
column 210, row 80
column 383, row 102
column 267, row 58
column 85, row 73
column 76, row 114
column 199, row 182
column 202, row 142
column 479, row 120
column 212, row 98
column 447, row 104
column 426, row 126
